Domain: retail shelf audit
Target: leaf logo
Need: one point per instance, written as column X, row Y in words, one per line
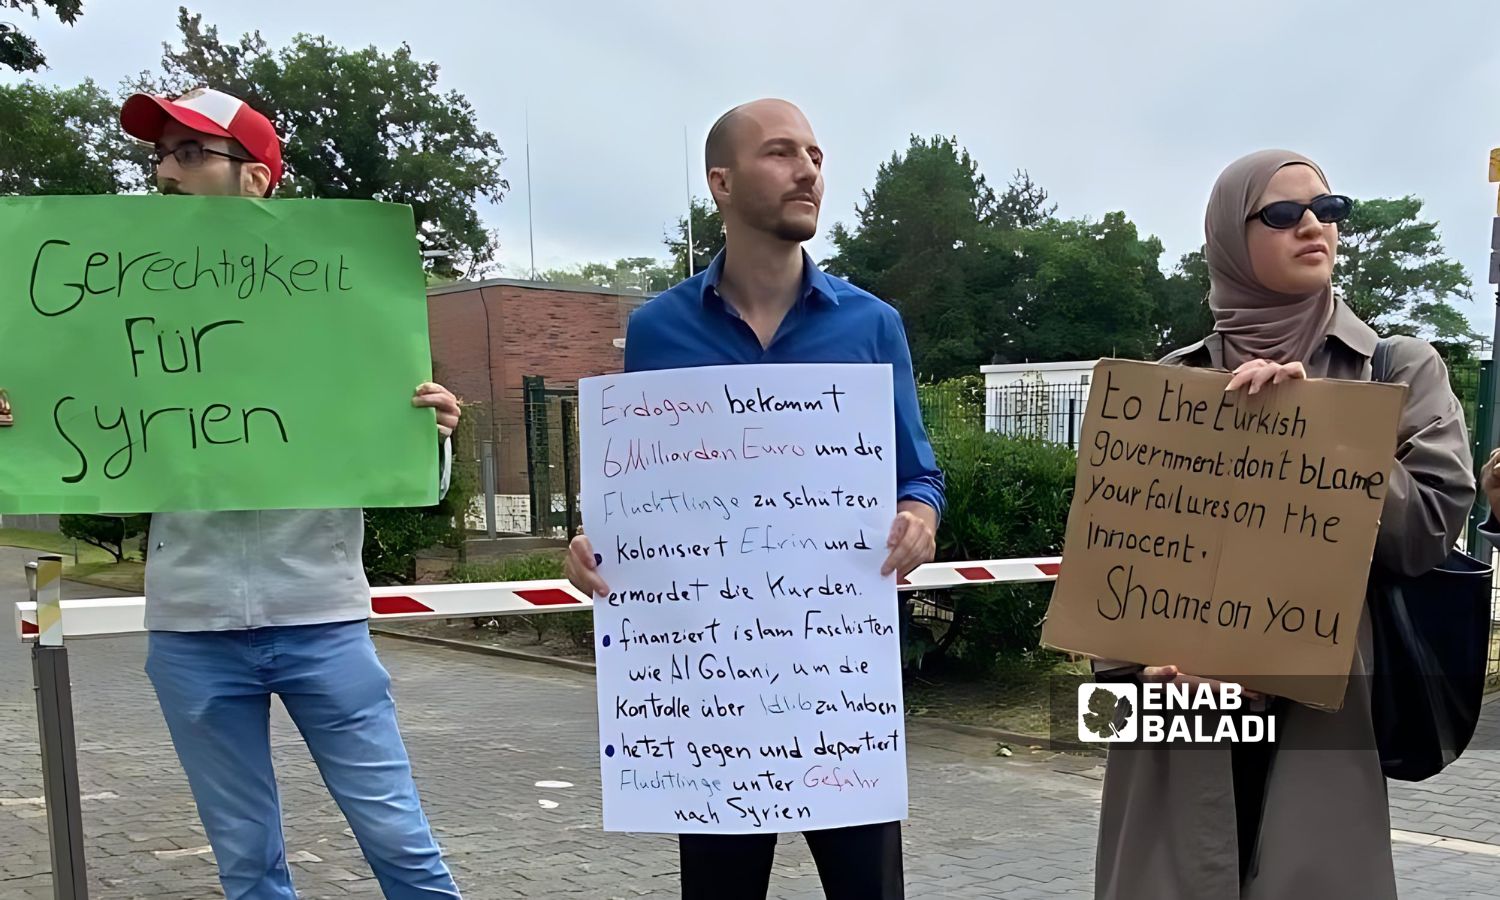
column 1107, row 712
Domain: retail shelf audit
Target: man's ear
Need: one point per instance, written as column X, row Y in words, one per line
column 719, row 184
column 255, row 179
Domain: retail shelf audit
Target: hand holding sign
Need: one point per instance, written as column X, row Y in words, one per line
column 913, row 538
column 435, row 396
column 1186, row 493
column 749, row 666
column 1257, row 373
column 1489, row 481
column 194, row 328
column 581, row 567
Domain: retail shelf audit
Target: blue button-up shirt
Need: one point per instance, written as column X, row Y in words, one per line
column 832, row 322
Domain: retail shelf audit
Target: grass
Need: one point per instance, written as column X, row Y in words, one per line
column 1034, row 695
column 50, row 542
column 94, row 566
column 129, row 576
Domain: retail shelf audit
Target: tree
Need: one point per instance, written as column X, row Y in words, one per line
column 1394, row 273
column 636, row 273
column 108, row 533
column 708, row 238
column 1024, row 203
column 17, row 50
column 359, row 124
column 1181, row 316
column 911, row 243
column 1084, row 290
column 64, row 141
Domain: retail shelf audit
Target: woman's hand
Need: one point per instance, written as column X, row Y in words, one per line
column 1257, row 373
column 1489, row 481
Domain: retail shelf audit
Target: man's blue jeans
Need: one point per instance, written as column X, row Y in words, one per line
column 215, row 691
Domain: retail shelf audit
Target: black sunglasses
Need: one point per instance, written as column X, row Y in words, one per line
column 1287, row 213
column 190, row 154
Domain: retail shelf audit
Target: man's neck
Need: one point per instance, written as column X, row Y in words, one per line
column 762, row 275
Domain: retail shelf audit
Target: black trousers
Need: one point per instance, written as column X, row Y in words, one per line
column 862, row 862
column 1251, row 768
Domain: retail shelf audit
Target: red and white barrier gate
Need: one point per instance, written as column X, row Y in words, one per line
column 102, row 617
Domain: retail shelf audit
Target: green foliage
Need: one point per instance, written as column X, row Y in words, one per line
column 394, row 536
column 64, row 141
column 535, row 567
column 1006, row 498
column 952, row 405
column 636, row 273
column 1462, row 360
column 1394, row 273
column 1024, row 203
column 981, row 278
column 1081, row 289
column 1181, row 316
column 359, row 124
column 708, row 238
column 913, row 244
column 108, row 533
column 19, row 51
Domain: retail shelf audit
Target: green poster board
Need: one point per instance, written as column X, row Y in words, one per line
column 209, row 353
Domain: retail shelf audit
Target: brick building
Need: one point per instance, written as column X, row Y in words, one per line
column 487, row 336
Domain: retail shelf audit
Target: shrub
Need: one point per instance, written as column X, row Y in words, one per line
column 394, row 537
column 1006, row 498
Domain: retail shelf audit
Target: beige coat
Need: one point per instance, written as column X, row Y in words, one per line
column 1167, row 828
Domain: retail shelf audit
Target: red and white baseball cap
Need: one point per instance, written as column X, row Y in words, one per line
column 210, row 112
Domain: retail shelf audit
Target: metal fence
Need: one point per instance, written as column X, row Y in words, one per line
column 526, row 453
column 1048, row 412
column 1471, row 384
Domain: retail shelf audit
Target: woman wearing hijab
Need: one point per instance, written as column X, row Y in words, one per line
column 1308, row 816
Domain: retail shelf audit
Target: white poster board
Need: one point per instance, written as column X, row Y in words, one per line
column 749, row 671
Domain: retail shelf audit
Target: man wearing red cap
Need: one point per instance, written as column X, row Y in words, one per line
column 243, row 605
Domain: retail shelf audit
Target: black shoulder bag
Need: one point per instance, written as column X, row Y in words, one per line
column 1432, row 636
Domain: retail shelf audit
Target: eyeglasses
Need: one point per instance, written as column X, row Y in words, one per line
column 1285, row 214
column 190, row 154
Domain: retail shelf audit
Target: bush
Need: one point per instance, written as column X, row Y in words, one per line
column 1006, row 498
column 536, row 567
column 953, row 406
column 394, row 537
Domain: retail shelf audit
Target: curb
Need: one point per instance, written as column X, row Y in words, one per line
column 578, row 665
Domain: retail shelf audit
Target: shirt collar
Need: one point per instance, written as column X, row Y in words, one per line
column 1350, row 330
column 815, row 282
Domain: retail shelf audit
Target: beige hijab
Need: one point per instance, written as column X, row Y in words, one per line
column 1256, row 322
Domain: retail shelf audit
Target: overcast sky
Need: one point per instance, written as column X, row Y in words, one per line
column 1132, row 106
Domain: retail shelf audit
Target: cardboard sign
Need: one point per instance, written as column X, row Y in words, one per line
column 201, row 353
column 749, row 665
column 1226, row 534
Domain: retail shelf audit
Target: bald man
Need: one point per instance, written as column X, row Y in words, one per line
column 762, row 300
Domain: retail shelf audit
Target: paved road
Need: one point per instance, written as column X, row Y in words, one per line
column 482, row 733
